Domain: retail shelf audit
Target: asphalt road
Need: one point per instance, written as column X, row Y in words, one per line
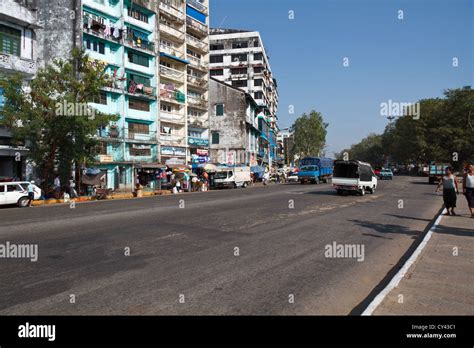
column 183, row 257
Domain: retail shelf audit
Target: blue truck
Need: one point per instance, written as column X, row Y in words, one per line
column 315, row 169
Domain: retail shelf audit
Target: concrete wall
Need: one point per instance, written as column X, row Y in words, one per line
column 231, row 126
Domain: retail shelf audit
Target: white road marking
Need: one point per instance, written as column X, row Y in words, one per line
column 402, row 272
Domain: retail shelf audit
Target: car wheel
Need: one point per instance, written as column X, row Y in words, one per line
column 362, row 191
column 244, row 185
column 23, row 202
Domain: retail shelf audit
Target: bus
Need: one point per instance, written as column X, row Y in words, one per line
column 315, row 169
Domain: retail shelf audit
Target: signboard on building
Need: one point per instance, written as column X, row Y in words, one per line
column 106, row 158
column 173, row 151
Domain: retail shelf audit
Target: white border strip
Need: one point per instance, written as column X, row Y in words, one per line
column 401, row 273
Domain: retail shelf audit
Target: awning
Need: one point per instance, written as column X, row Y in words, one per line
column 134, row 120
column 163, row 54
column 150, row 166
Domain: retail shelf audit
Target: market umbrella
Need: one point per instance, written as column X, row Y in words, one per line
column 209, row 167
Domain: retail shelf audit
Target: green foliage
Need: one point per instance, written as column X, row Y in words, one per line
column 309, row 133
column 445, row 126
column 57, row 136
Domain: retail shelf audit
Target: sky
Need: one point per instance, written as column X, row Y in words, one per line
column 402, row 60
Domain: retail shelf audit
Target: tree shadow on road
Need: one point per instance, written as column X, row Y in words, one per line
column 387, row 228
column 408, row 217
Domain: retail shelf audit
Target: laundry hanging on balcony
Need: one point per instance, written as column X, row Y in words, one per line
column 180, row 97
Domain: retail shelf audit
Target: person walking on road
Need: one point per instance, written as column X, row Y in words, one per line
column 31, row 193
column 450, row 188
column 266, row 177
column 468, row 188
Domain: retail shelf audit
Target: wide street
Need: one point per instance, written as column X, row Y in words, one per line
column 259, row 250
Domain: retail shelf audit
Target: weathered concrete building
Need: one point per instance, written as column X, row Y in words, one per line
column 239, row 131
column 18, row 55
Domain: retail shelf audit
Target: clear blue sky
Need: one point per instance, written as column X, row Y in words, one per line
column 402, row 60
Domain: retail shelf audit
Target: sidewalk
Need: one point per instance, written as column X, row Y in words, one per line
column 439, row 282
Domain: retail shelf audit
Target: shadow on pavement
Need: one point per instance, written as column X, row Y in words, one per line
column 407, row 217
column 387, row 228
column 456, row 231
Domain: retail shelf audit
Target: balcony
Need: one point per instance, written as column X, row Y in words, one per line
column 172, row 12
column 172, row 51
column 239, row 77
column 197, row 27
column 172, row 96
column 197, row 5
column 197, row 63
column 174, row 118
column 171, row 139
column 198, row 142
column 191, row 40
column 171, row 32
column 172, row 74
column 140, row 138
column 197, row 102
column 139, row 90
column 14, row 63
column 140, row 44
column 197, row 82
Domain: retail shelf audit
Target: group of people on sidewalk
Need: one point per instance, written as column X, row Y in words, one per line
column 450, row 189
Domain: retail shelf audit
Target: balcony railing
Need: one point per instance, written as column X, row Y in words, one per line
column 11, row 62
column 140, row 44
column 200, row 28
column 139, row 137
column 196, row 101
column 166, row 29
column 197, row 43
column 172, row 51
column 196, row 81
column 173, row 118
column 196, row 62
column 172, row 96
column 171, row 73
column 197, row 5
column 140, row 90
column 171, row 138
column 170, row 10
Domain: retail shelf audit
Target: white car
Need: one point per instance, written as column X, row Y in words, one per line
column 16, row 193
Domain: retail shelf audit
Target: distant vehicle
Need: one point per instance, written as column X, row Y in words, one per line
column 386, row 174
column 436, row 172
column 232, row 177
column 354, row 176
column 16, row 192
column 292, row 176
column 377, row 170
column 314, row 170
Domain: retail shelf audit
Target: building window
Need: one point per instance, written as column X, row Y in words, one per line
column 258, row 95
column 140, row 150
column 241, row 57
column 242, row 44
column 258, row 82
column 238, row 71
column 217, row 58
column 140, row 80
column 219, row 109
column 166, row 108
column 138, row 104
column 102, row 148
column 138, row 128
column 239, row 83
column 194, row 113
column 134, row 13
column 101, row 99
column 215, row 137
column 95, row 46
column 257, row 56
column 217, row 72
column 216, row 47
column 138, row 59
column 10, row 40
column 258, row 69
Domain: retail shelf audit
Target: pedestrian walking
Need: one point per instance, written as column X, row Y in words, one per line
column 266, row 177
column 72, row 188
column 450, row 188
column 468, row 188
column 31, row 193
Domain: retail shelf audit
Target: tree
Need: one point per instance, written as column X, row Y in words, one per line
column 368, row 150
column 309, row 135
column 52, row 114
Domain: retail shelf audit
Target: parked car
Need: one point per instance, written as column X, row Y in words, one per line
column 232, row 177
column 292, row 176
column 386, row 174
column 16, row 192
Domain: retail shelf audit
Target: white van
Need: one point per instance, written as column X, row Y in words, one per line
column 354, row 176
column 16, row 193
column 232, row 177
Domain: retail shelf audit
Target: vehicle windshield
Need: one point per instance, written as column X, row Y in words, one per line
column 222, row 175
column 346, row 171
column 309, row 168
column 388, row 171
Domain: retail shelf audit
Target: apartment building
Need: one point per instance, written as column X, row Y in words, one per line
column 184, row 81
column 18, row 24
column 238, row 58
